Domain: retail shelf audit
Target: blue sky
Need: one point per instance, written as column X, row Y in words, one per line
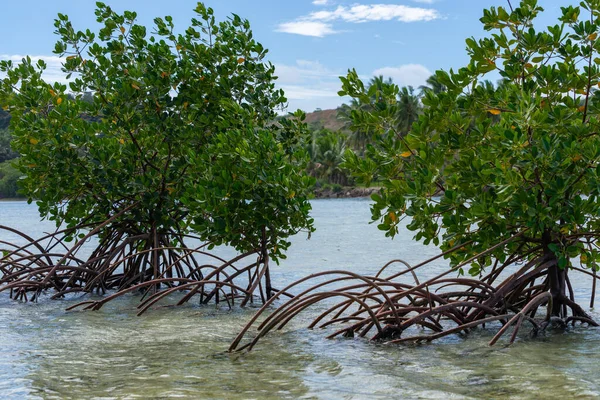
column 311, row 42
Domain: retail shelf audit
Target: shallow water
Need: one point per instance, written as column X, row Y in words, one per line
column 48, row 353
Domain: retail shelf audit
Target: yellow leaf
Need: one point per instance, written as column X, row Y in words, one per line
column 581, row 108
column 564, row 230
column 52, row 92
column 494, row 111
column 576, row 157
column 5, row 108
column 32, row 165
column 406, row 154
column 71, row 57
column 170, row 190
column 122, row 29
column 33, row 141
column 163, row 74
column 581, row 91
column 241, row 60
column 59, row 100
column 122, row 141
column 528, row 65
column 393, row 216
column 292, row 195
column 186, row 104
column 179, row 47
column 593, row 36
column 583, row 258
column 136, row 87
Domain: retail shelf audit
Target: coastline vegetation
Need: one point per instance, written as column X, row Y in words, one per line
column 159, row 139
column 504, row 179
column 178, row 143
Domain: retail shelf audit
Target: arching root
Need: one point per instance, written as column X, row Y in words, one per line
column 394, row 310
column 156, row 265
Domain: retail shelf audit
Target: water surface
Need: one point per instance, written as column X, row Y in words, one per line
column 48, row 353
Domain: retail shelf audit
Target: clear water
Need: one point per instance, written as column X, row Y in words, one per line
column 48, row 353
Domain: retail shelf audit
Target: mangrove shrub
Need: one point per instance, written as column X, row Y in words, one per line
column 160, row 132
column 485, row 163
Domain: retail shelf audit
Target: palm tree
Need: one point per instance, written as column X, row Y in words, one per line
column 401, row 115
column 344, row 113
column 378, row 83
column 434, row 85
column 409, row 108
column 358, row 138
column 331, row 153
column 326, row 151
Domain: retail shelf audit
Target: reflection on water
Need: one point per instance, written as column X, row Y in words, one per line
column 46, row 352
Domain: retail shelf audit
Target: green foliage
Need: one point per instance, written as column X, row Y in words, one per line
column 175, row 124
column 484, row 163
column 326, row 150
column 9, row 177
column 254, row 185
column 4, row 119
column 378, row 110
column 6, row 152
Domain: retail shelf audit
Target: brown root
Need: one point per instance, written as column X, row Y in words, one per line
column 156, row 265
column 393, row 310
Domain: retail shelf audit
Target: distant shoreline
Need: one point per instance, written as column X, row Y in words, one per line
column 345, row 192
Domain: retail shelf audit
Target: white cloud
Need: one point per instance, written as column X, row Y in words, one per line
column 425, row 1
column 414, row 75
column 52, row 73
column 293, row 92
column 376, row 12
column 306, row 28
column 319, row 23
column 304, row 71
column 321, row 2
column 309, row 85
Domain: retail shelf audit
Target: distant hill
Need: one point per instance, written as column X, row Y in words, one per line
column 324, row 119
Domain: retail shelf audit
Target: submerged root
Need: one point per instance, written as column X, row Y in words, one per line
column 401, row 308
column 156, row 265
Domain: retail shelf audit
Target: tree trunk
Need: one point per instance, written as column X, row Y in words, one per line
column 557, row 279
column 265, row 260
column 557, row 282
